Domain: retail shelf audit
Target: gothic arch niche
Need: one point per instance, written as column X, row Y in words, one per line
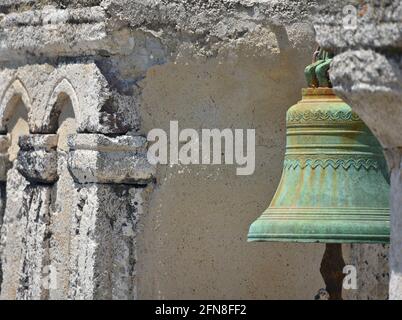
column 66, row 123
column 14, row 110
column 17, row 126
column 63, row 122
column 15, row 105
column 63, row 99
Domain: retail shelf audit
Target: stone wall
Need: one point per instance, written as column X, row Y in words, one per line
column 79, row 183
column 85, row 215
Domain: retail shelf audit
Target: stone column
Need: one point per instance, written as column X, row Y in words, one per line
column 4, row 166
column 37, row 162
column 111, row 175
column 395, row 285
column 367, row 74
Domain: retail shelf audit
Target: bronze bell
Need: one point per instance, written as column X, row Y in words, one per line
column 334, row 186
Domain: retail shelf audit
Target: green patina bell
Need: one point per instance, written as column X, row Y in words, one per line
column 334, row 186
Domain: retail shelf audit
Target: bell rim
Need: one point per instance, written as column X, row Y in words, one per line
column 369, row 239
column 322, row 225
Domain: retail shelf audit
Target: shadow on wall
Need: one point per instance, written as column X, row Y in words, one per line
column 194, row 238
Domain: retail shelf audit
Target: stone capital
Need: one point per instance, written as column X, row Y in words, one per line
column 37, row 158
column 371, row 83
column 96, row 158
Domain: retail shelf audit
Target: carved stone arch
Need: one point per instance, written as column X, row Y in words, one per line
column 15, row 91
column 62, row 91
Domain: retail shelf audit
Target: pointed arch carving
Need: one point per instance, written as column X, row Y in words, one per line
column 15, row 90
column 62, row 90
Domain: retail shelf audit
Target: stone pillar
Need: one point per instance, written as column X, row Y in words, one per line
column 37, row 162
column 367, row 74
column 111, row 175
column 395, row 285
column 4, row 166
column 61, row 210
column 12, row 233
column 25, row 233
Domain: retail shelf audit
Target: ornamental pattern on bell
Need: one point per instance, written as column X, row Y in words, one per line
column 321, row 115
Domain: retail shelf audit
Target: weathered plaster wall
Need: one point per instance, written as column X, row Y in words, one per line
column 194, row 242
